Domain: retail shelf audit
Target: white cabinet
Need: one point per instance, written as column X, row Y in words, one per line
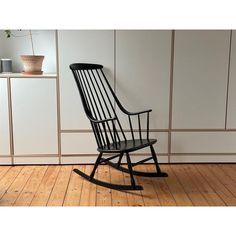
column 4, row 121
column 143, row 73
column 203, row 142
column 200, row 79
column 78, row 143
column 90, row 46
column 34, row 116
column 231, row 116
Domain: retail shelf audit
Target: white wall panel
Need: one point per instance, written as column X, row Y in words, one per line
column 34, row 116
column 200, row 78
column 203, row 142
column 91, row 159
column 89, row 46
column 5, row 160
column 78, row 143
column 36, row 160
column 143, row 72
column 4, row 121
column 202, row 158
column 231, row 116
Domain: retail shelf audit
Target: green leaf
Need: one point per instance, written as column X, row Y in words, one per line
column 8, row 33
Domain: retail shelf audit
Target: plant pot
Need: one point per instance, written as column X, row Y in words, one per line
column 32, row 64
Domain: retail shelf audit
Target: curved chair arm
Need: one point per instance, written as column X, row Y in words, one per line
column 138, row 113
column 127, row 112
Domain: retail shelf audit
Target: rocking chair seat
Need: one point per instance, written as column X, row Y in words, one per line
column 127, row 146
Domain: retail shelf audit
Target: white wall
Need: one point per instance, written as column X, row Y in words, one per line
column 142, row 65
column 138, row 65
column 200, row 79
column 142, row 80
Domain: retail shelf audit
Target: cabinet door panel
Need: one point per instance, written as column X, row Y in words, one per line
column 78, row 143
column 231, row 116
column 200, row 78
column 4, row 121
column 34, row 116
column 202, row 158
column 143, row 73
column 89, row 46
column 203, row 142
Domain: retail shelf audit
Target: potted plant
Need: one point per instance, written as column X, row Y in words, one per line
column 32, row 64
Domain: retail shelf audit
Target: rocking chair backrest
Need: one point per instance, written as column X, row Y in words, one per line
column 98, row 100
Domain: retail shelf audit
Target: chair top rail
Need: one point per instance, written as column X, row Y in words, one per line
column 85, row 66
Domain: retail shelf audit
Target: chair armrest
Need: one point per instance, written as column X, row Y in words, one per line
column 139, row 112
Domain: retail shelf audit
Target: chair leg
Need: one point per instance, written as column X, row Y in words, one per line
column 130, row 170
column 96, row 165
column 159, row 172
column 155, row 159
column 119, row 161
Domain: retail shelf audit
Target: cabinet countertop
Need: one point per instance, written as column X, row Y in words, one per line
column 20, row 75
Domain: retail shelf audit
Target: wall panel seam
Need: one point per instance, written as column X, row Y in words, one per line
column 171, row 90
column 58, row 99
column 228, row 80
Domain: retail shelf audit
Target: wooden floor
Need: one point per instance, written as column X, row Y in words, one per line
column 187, row 185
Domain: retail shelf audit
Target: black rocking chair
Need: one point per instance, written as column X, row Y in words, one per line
column 100, row 102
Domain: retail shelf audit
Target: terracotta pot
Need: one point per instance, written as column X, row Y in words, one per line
column 32, row 64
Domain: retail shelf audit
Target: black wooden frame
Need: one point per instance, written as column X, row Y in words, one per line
column 96, row 93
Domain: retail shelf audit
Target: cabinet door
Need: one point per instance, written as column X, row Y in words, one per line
column 200, row 78
column 4, row 119
column 143, row 73
column 203, row 142
column 90, row 46
column 34, row 116
column 231, row 116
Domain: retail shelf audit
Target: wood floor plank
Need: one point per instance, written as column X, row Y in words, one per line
column 223, row 178
column 119, row 198
column 59, row 189
column 230, row 170
column 8, row 178
column 206, row 190
column 74, row 190
column 233, row 166
column 45, row 188
column 220, row 189
column 135, row 198
column 189, row 186
column 176, row 188
column 4, row 170
column 89, row 190
column 149, row 194
column 16, row 187
column 103, row 197
column 163, row 192
column 31, row 186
